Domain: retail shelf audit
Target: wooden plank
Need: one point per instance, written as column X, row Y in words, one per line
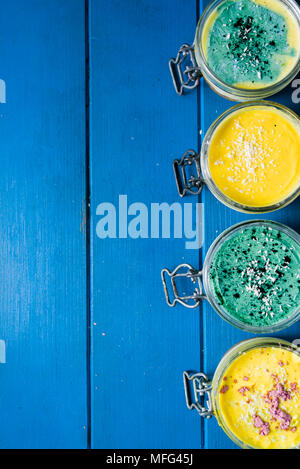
column 42, row 195
column 140, row 346
column 219, row 336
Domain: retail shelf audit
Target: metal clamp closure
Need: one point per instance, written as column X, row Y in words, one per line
column 199, row 397
column 183, row 271
column 189, row 77
column 192, row 184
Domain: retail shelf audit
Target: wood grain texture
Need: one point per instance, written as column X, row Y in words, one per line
column 42, row 197
column 218, row 335
column 140, row 346
column 138, row 125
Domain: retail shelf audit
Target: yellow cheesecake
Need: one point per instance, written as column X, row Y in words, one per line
column 254, row 156
column 259, row 398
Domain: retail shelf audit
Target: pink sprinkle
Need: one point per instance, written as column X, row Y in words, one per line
column 264, row 426
column 278, row 392
column 224, row 389
column 265, row 429
column 285, row 395
column 274, row 407
column 258, row 421
column 282, row 393
column 285, row 424
column 281, row 363
column 243, row 390
column 272, row 394
column 294, row 429
column 246, row 378
column 294, row 386
column 280, row 415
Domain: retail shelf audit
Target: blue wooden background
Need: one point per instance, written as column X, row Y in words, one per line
column 94, row 356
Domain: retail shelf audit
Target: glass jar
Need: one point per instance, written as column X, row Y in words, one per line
column 202, row 173
column 196, row 64
column 205, row 290
column 204, row 393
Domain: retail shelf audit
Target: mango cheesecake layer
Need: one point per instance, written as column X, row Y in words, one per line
column 255, row 276
column 251, row 44
column 259, row 398
column 254, row 156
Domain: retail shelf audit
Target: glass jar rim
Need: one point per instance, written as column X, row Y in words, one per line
column 224, row 236
column 231, row 90
column 227, row 360
column 205, row 160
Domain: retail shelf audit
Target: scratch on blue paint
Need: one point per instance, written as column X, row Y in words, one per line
column 2, row 92
column 2, row 351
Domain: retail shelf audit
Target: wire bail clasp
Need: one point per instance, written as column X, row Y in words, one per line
column 186, row 78
column 197, row 388
column 193, row 183
column 183, row 271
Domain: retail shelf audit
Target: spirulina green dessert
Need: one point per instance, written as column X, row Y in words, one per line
column 255, row 275
column 251, row 44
